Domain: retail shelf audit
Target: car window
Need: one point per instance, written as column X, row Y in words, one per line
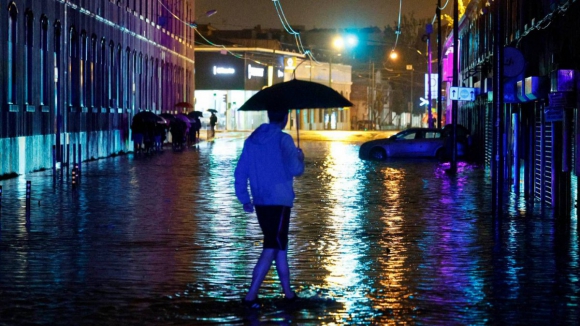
column 407, row 135
column 432, row 134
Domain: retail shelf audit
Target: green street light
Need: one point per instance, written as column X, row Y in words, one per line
column 352, row 40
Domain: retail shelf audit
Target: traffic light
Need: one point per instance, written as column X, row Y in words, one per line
column 225, row 98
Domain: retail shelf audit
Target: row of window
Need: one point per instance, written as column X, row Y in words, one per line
column 169, row 14
column 100, row 73
column 322, row 115
column 477, row 39
column 160, row 12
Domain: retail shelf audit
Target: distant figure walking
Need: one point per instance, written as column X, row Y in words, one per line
column 212, row 123
column 196, row 126
column 269, row 161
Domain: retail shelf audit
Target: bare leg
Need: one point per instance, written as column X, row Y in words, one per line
column 284, row 273
column 260, row 271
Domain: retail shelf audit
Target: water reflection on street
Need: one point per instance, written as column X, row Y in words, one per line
column 162, row 239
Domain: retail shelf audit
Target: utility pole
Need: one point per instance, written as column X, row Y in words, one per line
column 429, row 30
column 439, row 66
column 372, row 93
column 497, row 161
column 330, row 71
column 411, row 68
column 455, row 106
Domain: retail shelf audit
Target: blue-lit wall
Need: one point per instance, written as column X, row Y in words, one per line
column 541, row 82
column 73, row 74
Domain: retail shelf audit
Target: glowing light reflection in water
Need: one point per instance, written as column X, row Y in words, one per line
column 162, row 239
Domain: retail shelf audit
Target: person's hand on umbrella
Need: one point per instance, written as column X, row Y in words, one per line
column 248, row 207
column 300, row 154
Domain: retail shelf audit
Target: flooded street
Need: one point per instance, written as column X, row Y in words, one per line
column 162, row 239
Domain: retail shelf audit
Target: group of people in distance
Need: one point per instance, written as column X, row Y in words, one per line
column 149, row 135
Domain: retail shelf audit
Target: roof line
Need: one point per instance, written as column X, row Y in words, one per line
column 238, row 49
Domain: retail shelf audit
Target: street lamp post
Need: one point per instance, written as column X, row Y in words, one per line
column 339, row 43
column 393, row 55
column 429, row 30
column 330, row 71
column 439, row 66
column 411, row 106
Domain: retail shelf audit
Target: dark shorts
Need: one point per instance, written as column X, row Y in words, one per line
column 274, row 221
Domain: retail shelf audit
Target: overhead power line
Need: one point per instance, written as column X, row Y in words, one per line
column 288, row 28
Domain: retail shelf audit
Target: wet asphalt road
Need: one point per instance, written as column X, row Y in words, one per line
column 161, row 239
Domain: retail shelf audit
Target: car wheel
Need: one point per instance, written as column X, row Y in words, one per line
column 378, row 154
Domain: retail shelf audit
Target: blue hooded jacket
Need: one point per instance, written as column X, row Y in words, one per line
column 270, row 162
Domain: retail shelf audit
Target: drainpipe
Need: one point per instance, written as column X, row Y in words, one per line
column 439, row 65
column 455, row 106
column 497, row 112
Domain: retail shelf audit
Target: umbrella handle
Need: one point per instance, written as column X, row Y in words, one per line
column 298, row 128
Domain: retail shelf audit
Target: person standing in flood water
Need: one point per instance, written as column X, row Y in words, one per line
column 269, row 161
column 212, row 123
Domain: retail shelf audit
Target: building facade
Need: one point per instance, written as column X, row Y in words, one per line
column 527, row 130
column 227, row 77
column 75, row 72
column 336, row 76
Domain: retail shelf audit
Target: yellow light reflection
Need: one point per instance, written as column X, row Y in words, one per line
column 341, row 166
column 393, row 268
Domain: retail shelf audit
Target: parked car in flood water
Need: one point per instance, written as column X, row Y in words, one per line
column 415, row 142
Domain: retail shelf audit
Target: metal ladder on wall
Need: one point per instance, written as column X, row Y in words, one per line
column 574, row 175
column 543, row 159
column 488, row 135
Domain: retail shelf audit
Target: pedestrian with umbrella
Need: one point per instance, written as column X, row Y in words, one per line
column 195, row 125
column 212, row 121
column 269, row 162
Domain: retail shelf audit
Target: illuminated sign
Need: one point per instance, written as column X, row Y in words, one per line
column 289, row 63
column 223, row 71
column 434, row 85
column 280, row 73
column 462, row 93
column 255, row 72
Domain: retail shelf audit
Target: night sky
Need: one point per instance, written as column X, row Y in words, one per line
column 240, row 14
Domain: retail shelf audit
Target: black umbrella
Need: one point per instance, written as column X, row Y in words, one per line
column 212, row 110
column 143, row 120
column 184, row 118
column 195, row 114
column 147, row 116
column 295, row 94
column 168, row 116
